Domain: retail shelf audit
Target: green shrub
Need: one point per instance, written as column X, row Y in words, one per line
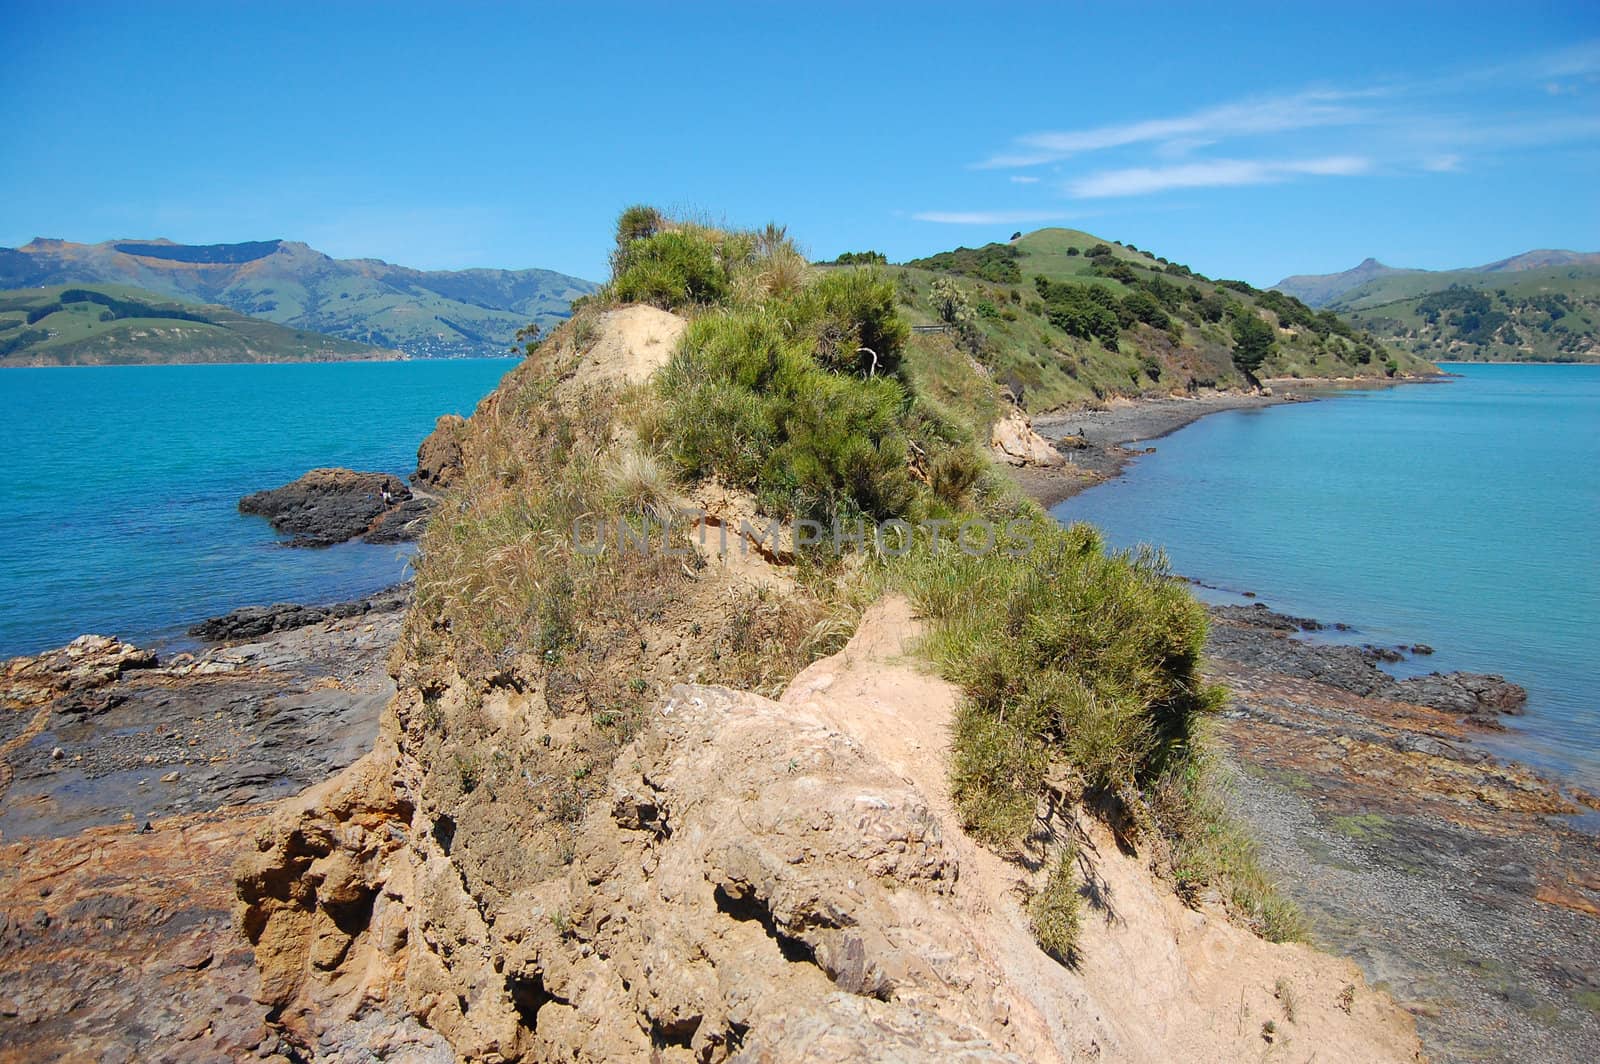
column 847, row 310
column 862, row 258
column 746, row 401
column 1140, row 306
column 992, row 262
column 671, row 269
column 1210, row 851
column 1252, row 339
column 1065, row 654
column 637, row 223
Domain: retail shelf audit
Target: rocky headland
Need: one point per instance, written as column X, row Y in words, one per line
column 351, row 833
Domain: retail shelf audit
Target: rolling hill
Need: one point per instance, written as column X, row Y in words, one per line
column 426, row 314
column 1062, row 317
column 1540, row 306
column 91, row 325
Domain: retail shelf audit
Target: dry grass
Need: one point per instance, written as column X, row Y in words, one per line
column 1055, row 913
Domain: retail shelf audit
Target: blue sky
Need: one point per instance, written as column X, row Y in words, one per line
column 1246, row 142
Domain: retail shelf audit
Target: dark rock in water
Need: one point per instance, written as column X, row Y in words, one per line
column 439, row 459
column 1476, row 696
column 1421, row 648
column 1257, row 637
column 328, row 506
column 1258, row 615
column 255, row 622
column 403, row 523
column 1268, row 646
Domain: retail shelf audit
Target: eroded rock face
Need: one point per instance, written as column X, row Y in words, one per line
column 1015, row 442
column 328, row 506
column 755, row 880
column 439, row 457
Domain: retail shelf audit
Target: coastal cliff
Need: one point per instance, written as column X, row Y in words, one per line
column 730, row 795
column 703, row 802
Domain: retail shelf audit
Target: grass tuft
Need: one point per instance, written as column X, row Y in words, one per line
column 1055, row 913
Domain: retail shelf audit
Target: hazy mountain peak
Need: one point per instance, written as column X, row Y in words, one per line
column 425, row 313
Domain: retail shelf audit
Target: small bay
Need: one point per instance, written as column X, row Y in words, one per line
column 1462, row 515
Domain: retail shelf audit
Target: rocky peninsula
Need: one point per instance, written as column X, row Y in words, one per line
column 680, row 809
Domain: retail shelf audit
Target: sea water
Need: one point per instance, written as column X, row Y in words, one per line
column 1464, row 515
column 119, row 486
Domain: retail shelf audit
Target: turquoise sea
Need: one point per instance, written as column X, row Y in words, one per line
column 120, row 485
column 1464, row 515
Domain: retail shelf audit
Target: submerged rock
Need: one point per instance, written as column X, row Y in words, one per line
column 328, row 506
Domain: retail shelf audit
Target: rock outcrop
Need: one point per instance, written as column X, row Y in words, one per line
column 253, row 622
column 1015, row 442
column 439, row 457
column 328, row 506
column 761, row 880
column 1258, row 637
column 85, row 664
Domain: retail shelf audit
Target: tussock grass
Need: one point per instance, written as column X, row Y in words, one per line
column 1055, row 913
column 1067, row 655
column 1211, row 852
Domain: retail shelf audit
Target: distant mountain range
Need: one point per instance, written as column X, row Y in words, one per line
column 95, row 325
column 426, row 314
column 1540, row 306
column 1323, row 289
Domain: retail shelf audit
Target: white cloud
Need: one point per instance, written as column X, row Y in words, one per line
column 1218, row 173
column 988, row 217
column 1574, row 61
column 1023, row 179
column 1249, row 117
column 1442, row 164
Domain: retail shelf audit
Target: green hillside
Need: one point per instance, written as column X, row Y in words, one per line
column 1548, row 314
column 92, row 325
column 427, row 314
column 1060, row 317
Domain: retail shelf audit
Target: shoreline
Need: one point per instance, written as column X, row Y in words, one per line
column 1096, row 441
column 1462, row 881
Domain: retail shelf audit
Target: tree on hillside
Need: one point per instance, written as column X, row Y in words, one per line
column 1252, row 342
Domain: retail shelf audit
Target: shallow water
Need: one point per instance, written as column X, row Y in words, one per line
column 1463, row 515
column 120, row 487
